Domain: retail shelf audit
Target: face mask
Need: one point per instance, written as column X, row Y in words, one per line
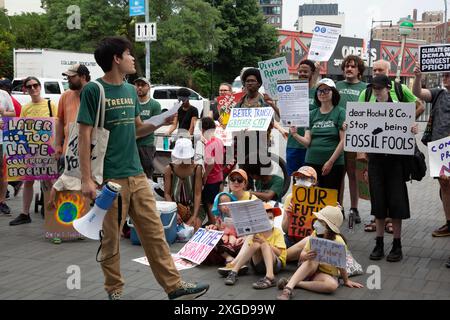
column 320, row 229
column 303, row 183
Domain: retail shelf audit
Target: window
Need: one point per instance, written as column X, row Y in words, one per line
column 160, row 94
column 52, row 88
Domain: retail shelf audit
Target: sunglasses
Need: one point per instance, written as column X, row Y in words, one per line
column 323, row 91
column 237, row 179
column 32, row 86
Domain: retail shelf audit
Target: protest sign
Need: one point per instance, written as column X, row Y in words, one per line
column 180, row 263
column 249, row 217
column 329, row 252
column 293, row 98
column 200, row 245
column 435, row 58
column 254, row 119
column 380, row 128
column 69, row 206
column 225, row 136
column 225, row 104
column 28, row 149
column 324, row 41
column 306, row 201
column 272, row 71
column 439, row 157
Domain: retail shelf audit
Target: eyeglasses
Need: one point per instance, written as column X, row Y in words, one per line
column 237, row 179
column 323, row 91
column 32, row 86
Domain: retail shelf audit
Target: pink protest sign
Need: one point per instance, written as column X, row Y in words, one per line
column 28, row 149
column 200, row 245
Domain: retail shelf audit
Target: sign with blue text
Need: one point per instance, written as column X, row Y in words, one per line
column 137, row 8
column 439, row 157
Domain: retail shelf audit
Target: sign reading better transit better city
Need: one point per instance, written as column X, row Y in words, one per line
column 251, row 119
column 380, row 128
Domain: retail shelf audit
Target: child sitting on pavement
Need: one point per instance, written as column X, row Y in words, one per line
column 266, row 252
column 312, row 275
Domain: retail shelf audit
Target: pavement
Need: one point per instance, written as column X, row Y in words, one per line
column 33, row 268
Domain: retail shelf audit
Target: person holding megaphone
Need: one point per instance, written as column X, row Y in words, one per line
column 123, row 167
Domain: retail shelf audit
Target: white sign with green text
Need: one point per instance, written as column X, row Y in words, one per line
column 272, row 71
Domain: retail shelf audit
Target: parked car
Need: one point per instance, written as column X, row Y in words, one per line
column 50, row 89
column 166, row 95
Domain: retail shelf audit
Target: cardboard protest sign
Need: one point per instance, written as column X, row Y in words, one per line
column 329, row 252
column 439, row 157
column 180, row 263
column 434, row 58
column 225, row 104
column 305, row 202
column 253, row 119
column 28, row 149
column 272, row 71
column 294, row 102
column 324, row 41
column 200, row 245
column 69, row 205
column 380, row 128
column 249, row 217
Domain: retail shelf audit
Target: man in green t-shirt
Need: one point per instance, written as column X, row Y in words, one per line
column 149, row 108
column 296, row 152
column 267, row 187
column 350, row 90
column 122, row 166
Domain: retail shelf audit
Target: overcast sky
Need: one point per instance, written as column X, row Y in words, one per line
column 358, row 14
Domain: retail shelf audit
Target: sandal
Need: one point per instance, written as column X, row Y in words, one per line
column 286, row 294
column 389, row 228
column 264, row 283
column 371, row 227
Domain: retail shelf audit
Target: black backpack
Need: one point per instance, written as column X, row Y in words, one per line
column 398, row 91
column 415, row 166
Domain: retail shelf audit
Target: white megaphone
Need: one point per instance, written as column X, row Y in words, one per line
column 91, row 224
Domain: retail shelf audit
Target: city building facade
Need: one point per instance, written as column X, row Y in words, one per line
column 273, row 11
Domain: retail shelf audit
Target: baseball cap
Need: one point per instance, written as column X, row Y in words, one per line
column 381, row 81
column 326, row 81
column 306, row 171
column 76, row 69
column 240, row 172
column 143, row 79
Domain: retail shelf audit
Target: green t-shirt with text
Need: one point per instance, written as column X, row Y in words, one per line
column 325, row 136
column 292, row 143
column 121, row 109
column 149, row 109
column 275, row 184
column 349, row 92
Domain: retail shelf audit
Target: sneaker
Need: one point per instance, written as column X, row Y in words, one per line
column 188, row 291
column 441, row 232
column 5, row 209
column 7, row 196
column 21, row 219
column 224, row 271
column 395, row 255
column 231, row 278
column 356, row 216
column 116, row 295
column 286, row 294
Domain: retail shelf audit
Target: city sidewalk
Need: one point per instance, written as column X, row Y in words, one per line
column 34, row 268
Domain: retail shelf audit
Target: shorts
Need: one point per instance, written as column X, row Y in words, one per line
column 210, row 191
column 147, row 154
column 260, row 268
column 295, row 158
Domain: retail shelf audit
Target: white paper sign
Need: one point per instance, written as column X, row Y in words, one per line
column 380, row 128
column 439, row 157
column 224, row 135
column 293, row 102
column 253, row 119
column 272, row 71
column 329, row 252
column 324, row 41
column 200, row 245
column 180, row 263
column 160, row 118
column 249, row 217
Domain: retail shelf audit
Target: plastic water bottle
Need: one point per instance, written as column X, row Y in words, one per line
column 351, row 221
column 166, row 143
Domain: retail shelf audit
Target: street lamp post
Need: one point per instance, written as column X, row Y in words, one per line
column 212, row 56
column 445, row 23
column 405, row 28
column 370, row 43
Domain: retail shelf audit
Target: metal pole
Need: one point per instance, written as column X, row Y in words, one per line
column 370, row 51
column 147, row 43
column 445, row 23
column 400, row 59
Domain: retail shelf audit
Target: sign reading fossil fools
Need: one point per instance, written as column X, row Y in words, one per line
column 380, row 128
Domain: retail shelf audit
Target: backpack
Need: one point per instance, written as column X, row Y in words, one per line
column 398, row 91
column 415, row 166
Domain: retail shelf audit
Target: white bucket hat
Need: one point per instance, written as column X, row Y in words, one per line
column 183, row 149
column 332, row 216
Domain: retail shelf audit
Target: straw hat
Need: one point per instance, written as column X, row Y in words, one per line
column 332, row 216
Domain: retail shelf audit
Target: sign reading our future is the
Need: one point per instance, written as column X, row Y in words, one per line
column 380, row 128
